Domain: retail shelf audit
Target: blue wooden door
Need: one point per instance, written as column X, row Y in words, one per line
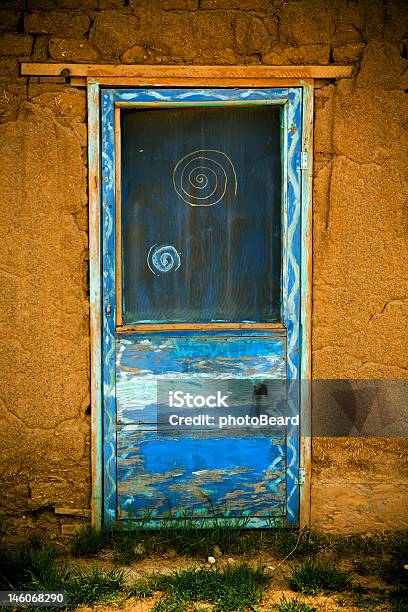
column 201, row 254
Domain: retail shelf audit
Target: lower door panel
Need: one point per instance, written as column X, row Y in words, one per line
column 171, row 475
column 165, row 471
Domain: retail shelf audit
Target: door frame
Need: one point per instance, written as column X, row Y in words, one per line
column 96, row 160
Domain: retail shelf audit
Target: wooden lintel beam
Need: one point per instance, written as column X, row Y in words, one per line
column 163, row 72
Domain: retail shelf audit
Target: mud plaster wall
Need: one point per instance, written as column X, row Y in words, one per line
column 360, row 228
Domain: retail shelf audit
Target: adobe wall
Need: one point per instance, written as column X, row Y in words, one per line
column 360, row 248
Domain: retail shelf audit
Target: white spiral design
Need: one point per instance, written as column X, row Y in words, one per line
column 208, row 169
column 163, row 258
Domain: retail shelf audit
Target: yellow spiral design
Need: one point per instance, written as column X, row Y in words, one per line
column 204, row 169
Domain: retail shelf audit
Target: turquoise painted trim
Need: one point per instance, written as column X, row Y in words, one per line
column 108, row 305
column 291, row 99
column 292, row 228
column 186, row 97
column 291, row 283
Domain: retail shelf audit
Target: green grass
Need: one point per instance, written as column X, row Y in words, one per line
column 193, row 538
column 35, row 567
column 127, row 547
column 18, row 566
column 318, row 577
column 185, row 535
column 142, row 589
column 231, row 589
column 294, row 605
column 88, row 541
column 82, row 588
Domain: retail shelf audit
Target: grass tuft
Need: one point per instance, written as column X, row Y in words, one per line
column 230, row 589
column 294, row 605
column 191, row 538
column 318, row 576
column 141, row 589
column 194, row 537
column 34, row 567
column 19, row 565
column 82, row 588
column 185, row 535
column 89, row 541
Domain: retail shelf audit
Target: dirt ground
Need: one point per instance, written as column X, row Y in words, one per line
column 278, row 570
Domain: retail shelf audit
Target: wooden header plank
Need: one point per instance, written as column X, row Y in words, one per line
column 162, row 72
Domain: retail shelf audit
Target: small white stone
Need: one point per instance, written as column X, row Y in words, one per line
column 211, row 560
column 231, row 561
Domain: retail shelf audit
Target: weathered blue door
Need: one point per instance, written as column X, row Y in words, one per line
column 201, row 254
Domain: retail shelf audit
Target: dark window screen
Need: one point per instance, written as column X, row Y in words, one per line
column 201, row 214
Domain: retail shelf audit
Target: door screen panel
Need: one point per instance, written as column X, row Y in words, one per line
column 201, row 214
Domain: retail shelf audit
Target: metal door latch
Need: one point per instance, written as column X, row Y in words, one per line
column 301, row 476
column 304, row 161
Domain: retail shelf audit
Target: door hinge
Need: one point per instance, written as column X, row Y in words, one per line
column 304, row 161
column 301, row 476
